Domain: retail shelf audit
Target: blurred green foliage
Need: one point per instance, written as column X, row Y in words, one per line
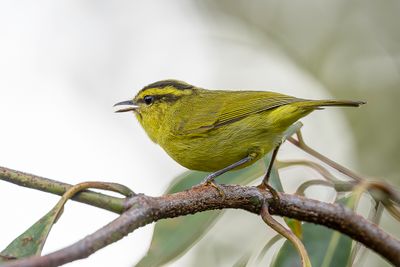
column 319, row 242
column 325, row 247
column 352, row 48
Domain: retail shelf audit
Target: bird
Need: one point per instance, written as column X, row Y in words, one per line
column 218, row 130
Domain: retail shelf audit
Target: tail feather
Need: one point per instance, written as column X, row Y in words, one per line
column 286, row 115
column 326, row 103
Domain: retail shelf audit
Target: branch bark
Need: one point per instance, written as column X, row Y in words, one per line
column 142, row 210
column 113, row 204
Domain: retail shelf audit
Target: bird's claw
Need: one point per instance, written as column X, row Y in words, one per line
column 216, row 186
column 266, row 186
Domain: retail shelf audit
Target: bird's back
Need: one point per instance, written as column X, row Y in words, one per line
column 206, row 110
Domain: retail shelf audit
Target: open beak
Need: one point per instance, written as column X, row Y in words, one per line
column 130, row 103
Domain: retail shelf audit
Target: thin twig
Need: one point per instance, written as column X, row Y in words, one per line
column 392, row 210
column 313, row 165
column 99, row 200
column 386, row 189
column 302, row 188
column 274, row 224
column 356, row 195
column 383, row 187
column 301, row 144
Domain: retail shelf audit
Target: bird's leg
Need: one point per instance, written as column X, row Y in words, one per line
column 209, row 180
column 271, row 163
column 264, row 184
column 211, row 177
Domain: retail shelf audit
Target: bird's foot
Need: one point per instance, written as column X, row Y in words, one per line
column 266, row 186
column 216, row 186
column 209, row 181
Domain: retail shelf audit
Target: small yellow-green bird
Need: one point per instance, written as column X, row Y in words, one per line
column 218, row 130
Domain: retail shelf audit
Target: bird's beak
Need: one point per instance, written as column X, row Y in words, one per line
column 130, row 103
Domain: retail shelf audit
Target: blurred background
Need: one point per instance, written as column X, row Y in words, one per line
column 65, row 63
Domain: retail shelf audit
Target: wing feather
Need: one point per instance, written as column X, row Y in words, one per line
column 211, row 109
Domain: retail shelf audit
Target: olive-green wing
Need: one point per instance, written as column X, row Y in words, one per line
column 213, row 109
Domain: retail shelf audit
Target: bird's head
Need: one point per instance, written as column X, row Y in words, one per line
column 155, row 100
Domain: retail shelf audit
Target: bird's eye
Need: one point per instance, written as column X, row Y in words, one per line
column 148, row 99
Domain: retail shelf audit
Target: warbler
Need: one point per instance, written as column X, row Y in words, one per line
column 218, row 130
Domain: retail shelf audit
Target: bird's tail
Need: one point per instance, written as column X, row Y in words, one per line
column 286, row 115
column 317, row 104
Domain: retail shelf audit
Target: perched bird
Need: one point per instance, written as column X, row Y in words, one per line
column 218, row 130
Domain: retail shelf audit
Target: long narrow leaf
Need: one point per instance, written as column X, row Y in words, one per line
column 31, row 242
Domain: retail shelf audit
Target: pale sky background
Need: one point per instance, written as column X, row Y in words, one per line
column 63, row 64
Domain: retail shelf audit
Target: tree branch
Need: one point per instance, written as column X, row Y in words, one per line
column 144, row 210
column 99, row 200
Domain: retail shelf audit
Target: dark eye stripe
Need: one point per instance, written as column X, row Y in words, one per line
column 164, row 98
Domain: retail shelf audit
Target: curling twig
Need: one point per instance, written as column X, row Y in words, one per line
column 302, row 188
column 301, row 144
column 313, row 165
column 270, row 221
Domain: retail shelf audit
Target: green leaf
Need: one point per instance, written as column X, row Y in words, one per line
column 173, row 237
column 325, row 247
column 31, row 242
column 295, row 226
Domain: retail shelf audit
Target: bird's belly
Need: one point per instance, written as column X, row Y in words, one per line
column 221, row 147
